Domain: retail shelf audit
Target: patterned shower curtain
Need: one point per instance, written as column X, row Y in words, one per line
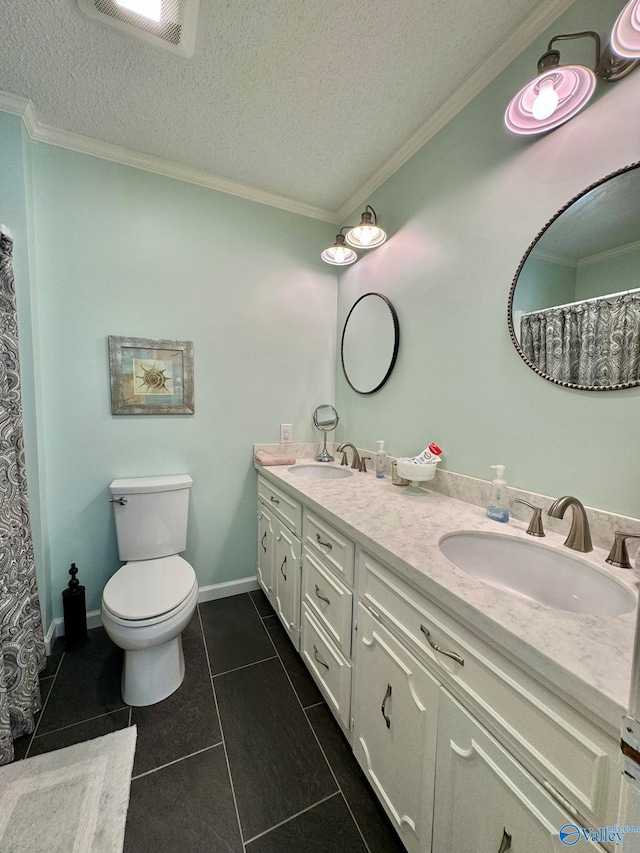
column 593, row 343
column 22, row 651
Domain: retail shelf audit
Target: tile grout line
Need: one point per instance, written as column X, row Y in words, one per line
column 224, row 745
column 293, row 817
column 177, row 760
column 86, row 720
column 324, row 755
column 46, row 702
column 244, row 666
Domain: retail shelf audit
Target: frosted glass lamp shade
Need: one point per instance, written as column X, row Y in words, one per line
column 552, row 98
column 625, row 36
column 340, row 255
column 368, row 234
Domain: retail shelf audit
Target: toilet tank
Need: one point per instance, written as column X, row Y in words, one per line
column 153, row 521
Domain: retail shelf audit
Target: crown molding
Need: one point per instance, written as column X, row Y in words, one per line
column 520, row 39
column 39, row 132
column 607, row 254
column 553, row 258
column 475, row 83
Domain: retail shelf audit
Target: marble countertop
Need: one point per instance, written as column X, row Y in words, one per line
column 586, row 659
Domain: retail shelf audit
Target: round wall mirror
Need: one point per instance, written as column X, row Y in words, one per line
column 574, row 305
column 370, row 340
column 325, row 418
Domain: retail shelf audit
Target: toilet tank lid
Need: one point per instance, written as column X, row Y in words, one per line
column 140, row 485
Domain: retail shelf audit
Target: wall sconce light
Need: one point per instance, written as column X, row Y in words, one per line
column 340, row 255
column 625, row 36
column 561, row 91
column 366, row 235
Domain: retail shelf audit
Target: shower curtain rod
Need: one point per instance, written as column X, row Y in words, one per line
column 584, row 301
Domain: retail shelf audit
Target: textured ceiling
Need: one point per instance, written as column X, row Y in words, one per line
column 306, row 99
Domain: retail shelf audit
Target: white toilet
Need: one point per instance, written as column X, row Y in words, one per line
column 150, row 600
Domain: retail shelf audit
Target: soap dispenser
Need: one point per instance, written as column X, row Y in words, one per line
column 381, row 460
column 498, row 508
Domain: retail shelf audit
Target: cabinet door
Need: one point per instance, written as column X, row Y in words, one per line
column 485, row 800
column 266, row 556
column 395, row 716
column 287, row 581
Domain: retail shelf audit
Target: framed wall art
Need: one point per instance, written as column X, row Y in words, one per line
column 150, row 377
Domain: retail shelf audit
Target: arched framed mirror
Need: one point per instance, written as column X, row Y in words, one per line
column 574, row 304
column 370, row 341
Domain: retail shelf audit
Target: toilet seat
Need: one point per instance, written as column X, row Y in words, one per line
column 144, row 592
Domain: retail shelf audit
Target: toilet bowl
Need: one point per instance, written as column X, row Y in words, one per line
column 145, row 607
column 149, row 601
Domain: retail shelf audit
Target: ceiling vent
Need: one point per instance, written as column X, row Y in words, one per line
column 170, row 24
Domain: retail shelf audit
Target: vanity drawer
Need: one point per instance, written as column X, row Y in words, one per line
column 286, row 508
column 564, row 750
column 324, row 539
column 329, row 600
column 330, row 669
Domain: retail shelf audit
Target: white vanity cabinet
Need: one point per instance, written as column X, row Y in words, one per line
column 484, row 799
column 395, row 723
column 327, row 611
column 465, row 749
column 279, row 554
column 556, row 764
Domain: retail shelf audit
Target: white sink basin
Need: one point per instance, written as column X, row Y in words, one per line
column 537, row 572
column 321, row 471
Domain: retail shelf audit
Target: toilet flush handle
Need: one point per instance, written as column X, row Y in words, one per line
column 122, row 501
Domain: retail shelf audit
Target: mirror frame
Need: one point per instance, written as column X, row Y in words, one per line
column 512, row 332
column 315, row 419
column 396, row 343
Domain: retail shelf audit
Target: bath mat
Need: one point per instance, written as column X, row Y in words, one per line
column 73, row 800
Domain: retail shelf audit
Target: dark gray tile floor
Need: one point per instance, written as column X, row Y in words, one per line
column 244, row 758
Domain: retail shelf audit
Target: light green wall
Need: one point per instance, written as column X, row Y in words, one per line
column 611, row 275
column 542, row 283
column 461, row 213
column 119, row 251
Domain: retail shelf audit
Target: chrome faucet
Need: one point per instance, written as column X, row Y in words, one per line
column 355, row 461
column 579, row 538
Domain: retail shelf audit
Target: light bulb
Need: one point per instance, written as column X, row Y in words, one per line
column 151, row 9
column 339, row 255
column 547, row 100
column 366, row 234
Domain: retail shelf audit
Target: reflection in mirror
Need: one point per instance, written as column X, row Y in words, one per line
column 574, row 306
column 370, row 341
column 325, row 418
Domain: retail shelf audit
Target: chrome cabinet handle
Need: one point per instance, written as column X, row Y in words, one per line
column 387, row 696
column 321, row 662
column 284, row 563
column 437, row 648
column 506, row 842
column 123, row 501
column 264, row 547
column 321, row 596
column 274, row 500
column 324, row 544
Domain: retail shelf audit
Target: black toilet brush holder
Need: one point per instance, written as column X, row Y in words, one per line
column 75, row 612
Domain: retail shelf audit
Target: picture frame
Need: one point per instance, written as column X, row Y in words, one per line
column 151, row 377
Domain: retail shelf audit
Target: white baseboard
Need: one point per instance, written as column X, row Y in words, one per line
column 205, row 593
column 224, row 590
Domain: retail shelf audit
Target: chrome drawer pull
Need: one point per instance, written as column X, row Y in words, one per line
column 437, row 648
column 284, row 563
column 387, row 695
column 320, row 596
column 506, row 842
column 264, row 547
column 274, row 500
column 321, row 662
column 324, row 544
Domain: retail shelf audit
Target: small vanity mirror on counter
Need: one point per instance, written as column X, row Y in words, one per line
column 370, row 340
column 325, row 418
column 574, row 305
